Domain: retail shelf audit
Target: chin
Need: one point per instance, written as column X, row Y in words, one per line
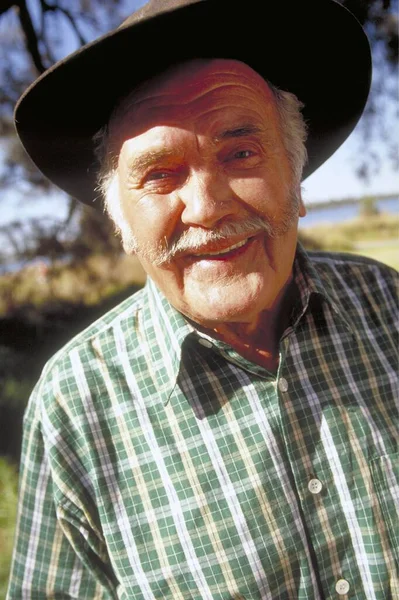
column 225, row 307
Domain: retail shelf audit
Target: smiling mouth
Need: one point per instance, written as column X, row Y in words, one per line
column 226, row 252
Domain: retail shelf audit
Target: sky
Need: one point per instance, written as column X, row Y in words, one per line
column 337, row 178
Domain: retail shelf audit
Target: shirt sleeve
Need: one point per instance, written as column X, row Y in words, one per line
column 57, row 554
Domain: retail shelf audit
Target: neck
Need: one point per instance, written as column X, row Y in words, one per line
column 259, row 345
column 258, row 340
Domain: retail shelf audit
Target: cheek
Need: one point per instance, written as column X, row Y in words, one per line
column 149, row 217
column 151, row 220
column 258, row 192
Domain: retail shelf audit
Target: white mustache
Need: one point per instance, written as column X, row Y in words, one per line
column 192, row 240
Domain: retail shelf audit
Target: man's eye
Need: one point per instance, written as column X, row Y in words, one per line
column 243, row 154
column 156, row 175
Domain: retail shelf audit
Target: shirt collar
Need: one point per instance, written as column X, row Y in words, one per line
column 314, row 282
column 172, row 331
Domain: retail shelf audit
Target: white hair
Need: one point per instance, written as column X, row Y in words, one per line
column 293, row 132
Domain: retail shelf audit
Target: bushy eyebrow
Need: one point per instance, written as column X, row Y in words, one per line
column 148, row 159
column 236, row 132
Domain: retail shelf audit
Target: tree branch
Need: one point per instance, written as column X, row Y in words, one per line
column 31, row 40
column 53, row 8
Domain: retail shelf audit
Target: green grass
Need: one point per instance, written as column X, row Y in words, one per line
column 8, row 513
column 389, row 255
column 376, row 227
column 376, row 236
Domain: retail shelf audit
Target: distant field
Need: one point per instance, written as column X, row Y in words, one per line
column 387, row 253
column 376, row 237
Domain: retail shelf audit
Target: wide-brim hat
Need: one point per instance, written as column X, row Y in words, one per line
column 315, row 49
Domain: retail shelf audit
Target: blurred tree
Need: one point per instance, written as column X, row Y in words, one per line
column 36, row 33
column 379, row 124
column 368, row 207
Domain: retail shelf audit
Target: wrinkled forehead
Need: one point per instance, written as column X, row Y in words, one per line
column 186, row 85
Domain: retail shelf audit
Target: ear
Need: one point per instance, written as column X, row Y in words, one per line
column 302, row 208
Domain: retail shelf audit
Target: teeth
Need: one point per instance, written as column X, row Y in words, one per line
column 226, row 250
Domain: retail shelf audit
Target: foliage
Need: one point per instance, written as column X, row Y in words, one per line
column 8, row 513
column 388, row 254
column 379, row 122
column 33, row 327
column 86, row 282
column 373, row 235
column 332, row 239
column 380, row 227
column 368, row 207
column 34, row 35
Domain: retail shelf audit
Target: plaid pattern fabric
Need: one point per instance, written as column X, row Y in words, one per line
column 159, row 464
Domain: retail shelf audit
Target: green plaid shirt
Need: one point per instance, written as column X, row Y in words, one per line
column 159, row 464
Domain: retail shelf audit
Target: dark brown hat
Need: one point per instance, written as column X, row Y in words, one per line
column 313, row 48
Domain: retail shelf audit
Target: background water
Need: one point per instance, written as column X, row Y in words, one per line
column 345, row 212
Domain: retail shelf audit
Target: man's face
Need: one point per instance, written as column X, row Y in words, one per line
column 202, row 165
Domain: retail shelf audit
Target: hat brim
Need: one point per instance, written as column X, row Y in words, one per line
column 315, row 49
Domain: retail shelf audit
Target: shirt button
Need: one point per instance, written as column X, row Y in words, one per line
column 204, row 342
column 315, row 486
column 342, row 587
column 283, row 385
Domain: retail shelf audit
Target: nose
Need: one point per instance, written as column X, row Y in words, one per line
column 207, row 198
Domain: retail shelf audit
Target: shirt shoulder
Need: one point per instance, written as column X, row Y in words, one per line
column 82, row 354
column 360, row 286
column 127, row 309
column 354, row 269
column 345, row 260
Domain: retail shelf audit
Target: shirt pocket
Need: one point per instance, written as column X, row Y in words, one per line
column 385, row 475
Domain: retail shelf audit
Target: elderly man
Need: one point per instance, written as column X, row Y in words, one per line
column 230, row 431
